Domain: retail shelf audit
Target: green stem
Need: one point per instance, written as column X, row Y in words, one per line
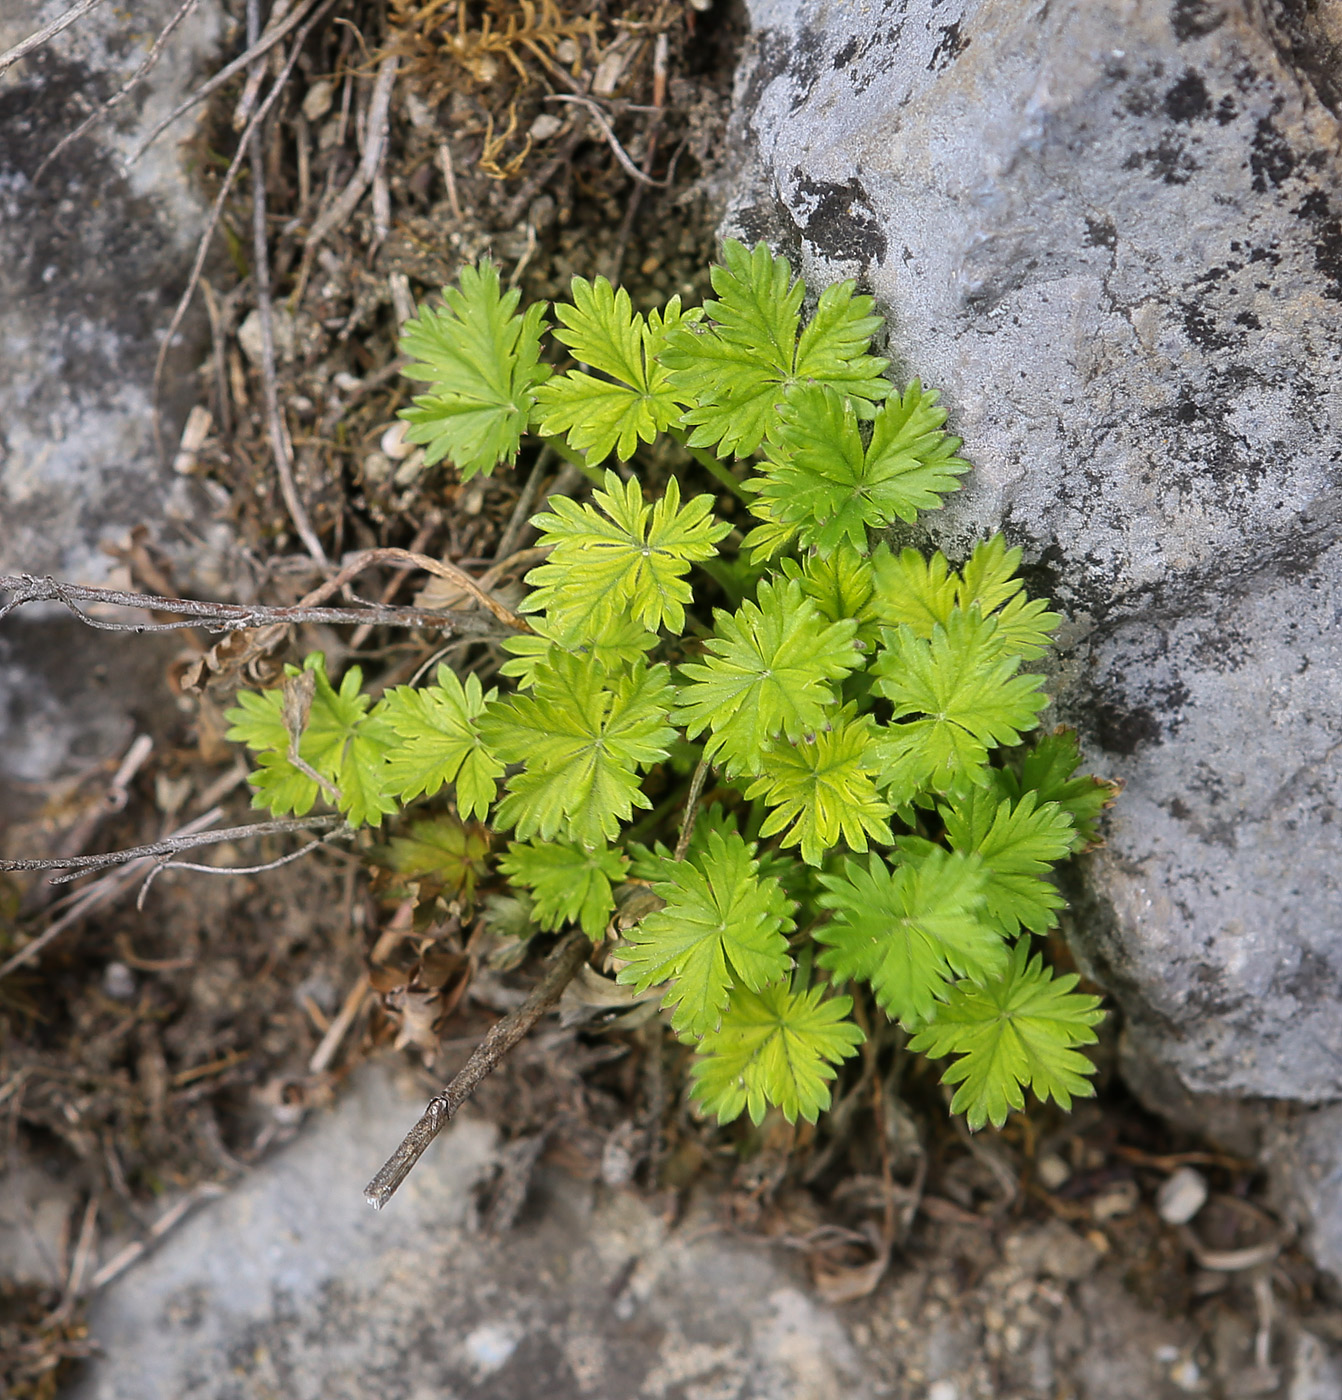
column 716, row 469
column 575, row 459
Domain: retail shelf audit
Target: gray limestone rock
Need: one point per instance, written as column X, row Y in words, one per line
column 92, row 260
column 293, row 1286
column 1111, row 234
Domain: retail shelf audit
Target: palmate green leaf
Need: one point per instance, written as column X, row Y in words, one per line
column 582, row 736
column 913, row 590
column 775, row 1046
column 821, row 478
column 822, row 789
column 841, row 584
column 443, row 849
column 988, row 579
column 627, row 559
column 910, row 930
column 1047, row 771
column 613, row 643
column 437, row 742
column 767, row 670
column 568, row 884
column 966, row 688
column 921, row 592
column 341, row 741
column 737, row 372
column 482, row 363
column 1019, row 1029
column 1018, row 843
column 723, row 924
column 634, row 402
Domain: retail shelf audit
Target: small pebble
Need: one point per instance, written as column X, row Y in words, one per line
column 545, row 126
column 393, row 442
column 118, row 981
column 1181, row 1196
column 318, row 99
column 1119, row 1199
column 1051, row 1171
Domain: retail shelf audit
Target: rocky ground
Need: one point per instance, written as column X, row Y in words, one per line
column 193, row 1092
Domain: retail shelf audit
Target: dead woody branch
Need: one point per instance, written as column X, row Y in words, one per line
column 218, row 617
column 502, row 1036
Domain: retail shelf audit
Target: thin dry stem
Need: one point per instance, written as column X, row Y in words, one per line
column 235, row 617
column 124, row 91
column 35, row 41
column 266, row 42
column 502, row 1036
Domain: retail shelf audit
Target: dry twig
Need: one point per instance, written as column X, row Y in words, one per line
column 279, row 439
column 502, row 1036
column 122, row 92
column 170, row 845
column 267, row 41
column 235, row 617
column 226, row 185
column 35, row 41
column 375, row 147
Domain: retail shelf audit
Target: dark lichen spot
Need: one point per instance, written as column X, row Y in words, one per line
column 1123, row 730
column 1186, row 411
column 1168, row 161
column 1101, row 233
column 1192, row 19
column 844, row 56
column 1270, row 157
column 949, row 47
column 1226, row 111
column 839, row 220
column 1187, row 100
column 1247, row 318
column 1201, row 329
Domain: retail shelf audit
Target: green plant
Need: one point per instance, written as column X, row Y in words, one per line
column 876, row 816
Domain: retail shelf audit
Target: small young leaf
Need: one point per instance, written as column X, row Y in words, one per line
column 568, row 884
column 820, row 477
column 635, row 402
column 582, row 737
column 437, row 742
column 614, row 642
column 775, row 1046
column 822, row 788
column 443, row 848
column 966, row 688
column 722, row 924
column 627, row 560
column 768, row 671
column 482, row 361
column 1047, row 769
column 1018, row 843
column 988, row 579
column 910, row 930
column 1021, row 1028
column 737, row 374
column 913, row 591
column 340, row 741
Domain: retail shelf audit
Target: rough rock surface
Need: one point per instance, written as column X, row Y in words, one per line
column 293, row 1286
column 289, row 1285
column 1111, row 234
column 92, row 260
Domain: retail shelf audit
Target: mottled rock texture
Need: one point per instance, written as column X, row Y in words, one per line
column 92, row 260
column 1111, row 234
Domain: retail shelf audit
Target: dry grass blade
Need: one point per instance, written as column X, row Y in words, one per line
column 264, row 44
column 502, row 1036
column 226, row 187
column 35, row 41
column 131, row 83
